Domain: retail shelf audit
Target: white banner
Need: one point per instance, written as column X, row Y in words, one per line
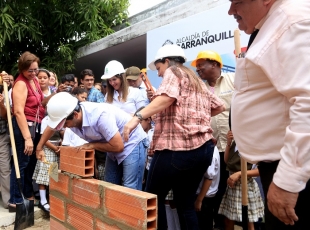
column 209, row 30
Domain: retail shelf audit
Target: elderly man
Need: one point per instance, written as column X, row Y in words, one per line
column 270, row 108
column 208, row 66
column 134, row 78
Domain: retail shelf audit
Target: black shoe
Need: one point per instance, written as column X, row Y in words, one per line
column 11, row 208
column 42, row 207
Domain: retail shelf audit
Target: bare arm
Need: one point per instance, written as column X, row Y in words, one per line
column 217, row 110
column 115, row 145
column 205, row 187
column 230, row 137
column 47, row 134
column 158, row 104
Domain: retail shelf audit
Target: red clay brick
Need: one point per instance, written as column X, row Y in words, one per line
column 100, row 225
column 77, row 162
column 79, row 218
column 55, row 225
column 131, row 207
column 57, row 208
column 62, row 185
column 86, row 192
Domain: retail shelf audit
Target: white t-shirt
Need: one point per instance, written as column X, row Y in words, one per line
column 213, row 173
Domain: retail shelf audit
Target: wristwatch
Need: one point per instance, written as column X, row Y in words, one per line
column 139, row 116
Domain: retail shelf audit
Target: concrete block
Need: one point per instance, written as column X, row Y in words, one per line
column 79, row 162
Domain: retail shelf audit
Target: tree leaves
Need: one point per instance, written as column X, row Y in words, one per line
column 54, row 29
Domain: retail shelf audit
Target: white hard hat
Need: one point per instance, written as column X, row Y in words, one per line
column 59, row 107
column 112, row 68
column 167, row 51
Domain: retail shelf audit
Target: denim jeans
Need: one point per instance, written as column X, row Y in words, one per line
column 130, row 172
column 26, row 166
column 182, row 172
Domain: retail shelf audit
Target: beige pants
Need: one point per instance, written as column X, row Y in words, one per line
column 5, row 167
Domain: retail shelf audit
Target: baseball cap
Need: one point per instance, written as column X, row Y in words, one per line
column 132, row 73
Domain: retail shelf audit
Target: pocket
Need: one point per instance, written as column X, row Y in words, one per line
column 241, row 79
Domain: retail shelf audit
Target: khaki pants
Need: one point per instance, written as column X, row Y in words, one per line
column 5, row 167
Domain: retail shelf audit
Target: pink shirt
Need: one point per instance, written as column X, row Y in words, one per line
column 185, row 125
column 271, row 104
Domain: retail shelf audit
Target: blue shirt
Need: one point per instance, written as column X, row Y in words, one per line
column 94, row 95
column 102, row 121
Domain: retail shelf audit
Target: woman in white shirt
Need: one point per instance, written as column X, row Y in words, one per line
column 119, row 93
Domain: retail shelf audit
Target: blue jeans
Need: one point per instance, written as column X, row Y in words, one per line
column 130, row 172
column 182, row 172
column 26, row 166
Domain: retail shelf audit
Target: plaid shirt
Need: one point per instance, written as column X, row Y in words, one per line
column 94, row 95
column 185, row 125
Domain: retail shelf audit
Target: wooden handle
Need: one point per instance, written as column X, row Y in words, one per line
column 147, row 82
column 244, row 182
column 237, row 42
column 8, row 111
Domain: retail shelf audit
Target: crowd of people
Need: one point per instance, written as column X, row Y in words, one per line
column 177, row 141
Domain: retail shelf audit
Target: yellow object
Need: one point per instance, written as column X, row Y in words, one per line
column 208, row 54
column 143, row 70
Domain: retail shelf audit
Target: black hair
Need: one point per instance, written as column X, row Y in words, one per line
column 76, row 109
column 85, row 72
column 45, row 71
column 67, row 77
column 78, row 91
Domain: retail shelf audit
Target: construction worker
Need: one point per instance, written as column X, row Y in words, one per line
column 134, row 79
column 208, row 66
column 101, row 124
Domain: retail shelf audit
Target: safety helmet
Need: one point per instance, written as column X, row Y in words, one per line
column 208, row 54
column 59, row 107
column 112, row 68
column 167, row 51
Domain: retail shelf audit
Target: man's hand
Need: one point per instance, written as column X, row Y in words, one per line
column 131, row 125
column 281, row 204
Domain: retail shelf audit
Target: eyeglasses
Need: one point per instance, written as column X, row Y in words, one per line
column 36, row 71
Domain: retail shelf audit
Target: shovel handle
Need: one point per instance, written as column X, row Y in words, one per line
column 8, row 111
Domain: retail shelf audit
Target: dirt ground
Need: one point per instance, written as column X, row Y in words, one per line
column 39, row 224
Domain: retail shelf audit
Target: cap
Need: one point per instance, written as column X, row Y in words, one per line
column 132, row 73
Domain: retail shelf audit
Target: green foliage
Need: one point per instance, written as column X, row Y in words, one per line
column 54, row 29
